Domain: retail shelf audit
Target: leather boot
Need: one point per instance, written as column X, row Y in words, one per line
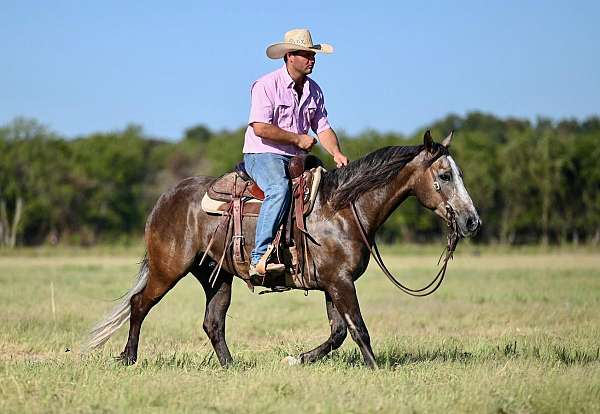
column 262, row 267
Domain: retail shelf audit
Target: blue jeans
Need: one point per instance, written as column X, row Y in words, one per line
column 269, row 171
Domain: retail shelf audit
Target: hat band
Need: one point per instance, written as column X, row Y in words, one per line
column 300, row 42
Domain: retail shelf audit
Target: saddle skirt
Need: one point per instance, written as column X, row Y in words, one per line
column 219, row 195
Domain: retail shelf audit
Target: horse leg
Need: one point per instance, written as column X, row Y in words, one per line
column 218, row 299
column 343, row 296
column 141, row 303
column 335, row 340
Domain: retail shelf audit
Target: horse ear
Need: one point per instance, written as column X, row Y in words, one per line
column 446, row 142
column 428, row 141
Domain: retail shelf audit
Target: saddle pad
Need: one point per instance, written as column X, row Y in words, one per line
column 212, row 206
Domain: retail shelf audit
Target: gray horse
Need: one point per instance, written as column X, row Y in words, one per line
column 178, row 231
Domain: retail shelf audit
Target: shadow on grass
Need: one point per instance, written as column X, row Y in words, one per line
column 394, row 357
column 391, row 359
column 194, row 361
column 576, row 357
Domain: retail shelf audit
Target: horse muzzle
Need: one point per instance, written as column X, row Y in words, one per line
column 468, row 226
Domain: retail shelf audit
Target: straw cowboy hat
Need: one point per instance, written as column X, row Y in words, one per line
column 297, row 39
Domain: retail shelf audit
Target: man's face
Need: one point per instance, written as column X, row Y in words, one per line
column 302, row 61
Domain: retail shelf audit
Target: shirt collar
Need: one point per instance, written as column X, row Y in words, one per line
column 289, row 82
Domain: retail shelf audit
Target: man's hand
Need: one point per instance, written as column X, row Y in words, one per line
column 340, row 160
column 274, row 133
column 305, row 142
column 329, row 140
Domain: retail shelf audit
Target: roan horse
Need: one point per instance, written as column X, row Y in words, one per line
column 178, row 231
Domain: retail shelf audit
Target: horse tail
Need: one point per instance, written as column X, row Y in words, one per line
column 121, row 313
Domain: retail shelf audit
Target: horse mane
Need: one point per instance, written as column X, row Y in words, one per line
column 343, row 186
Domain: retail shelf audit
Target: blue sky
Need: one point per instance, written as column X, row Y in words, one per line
column 83, row 66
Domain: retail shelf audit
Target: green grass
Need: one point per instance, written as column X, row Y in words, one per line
column 507, row 332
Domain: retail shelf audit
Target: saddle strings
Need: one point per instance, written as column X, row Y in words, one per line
column 212, row 279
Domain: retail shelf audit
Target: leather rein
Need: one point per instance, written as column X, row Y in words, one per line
column 453, row 238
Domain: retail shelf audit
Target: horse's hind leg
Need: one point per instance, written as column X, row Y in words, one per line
column 157, row 287
column 218, row 299
column 335, row 340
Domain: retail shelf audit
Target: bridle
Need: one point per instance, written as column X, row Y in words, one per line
column 453, row 238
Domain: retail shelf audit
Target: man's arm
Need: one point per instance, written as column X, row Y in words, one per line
column 330, row 142
column 274, row 133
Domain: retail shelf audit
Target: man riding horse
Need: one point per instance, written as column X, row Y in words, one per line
column 352, row 204
column 285, row 104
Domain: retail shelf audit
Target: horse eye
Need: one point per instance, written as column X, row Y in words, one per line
column 445, row 177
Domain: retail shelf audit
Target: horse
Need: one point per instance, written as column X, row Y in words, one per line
column 178, row 232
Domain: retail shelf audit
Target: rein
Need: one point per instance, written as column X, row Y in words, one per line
column 453, row 238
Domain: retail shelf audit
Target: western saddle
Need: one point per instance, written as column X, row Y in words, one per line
column 235, row 196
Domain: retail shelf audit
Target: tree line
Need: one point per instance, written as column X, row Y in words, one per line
column 533, row 182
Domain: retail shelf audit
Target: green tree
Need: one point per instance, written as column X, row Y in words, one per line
column 34, row 178
column 111, row 170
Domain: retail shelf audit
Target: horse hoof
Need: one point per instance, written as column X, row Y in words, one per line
column 125, row 359
column 290, row 360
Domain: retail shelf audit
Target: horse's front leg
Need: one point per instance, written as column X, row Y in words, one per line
column 343, row 296
column 335, row 340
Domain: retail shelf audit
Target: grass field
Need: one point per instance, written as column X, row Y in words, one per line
column 507, row 332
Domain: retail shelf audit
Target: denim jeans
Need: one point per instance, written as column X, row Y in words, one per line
column 269, row 171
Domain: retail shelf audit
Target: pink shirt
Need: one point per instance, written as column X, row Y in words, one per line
column 274, row 101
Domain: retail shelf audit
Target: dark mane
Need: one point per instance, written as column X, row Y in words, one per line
column 342, row 186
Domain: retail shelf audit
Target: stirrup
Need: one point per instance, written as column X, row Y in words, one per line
column 271, row 268
column 262, row 267
column 275, row 289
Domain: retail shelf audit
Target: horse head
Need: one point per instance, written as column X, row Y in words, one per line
column 439, row 186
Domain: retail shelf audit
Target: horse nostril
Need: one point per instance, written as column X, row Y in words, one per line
column 472, row 224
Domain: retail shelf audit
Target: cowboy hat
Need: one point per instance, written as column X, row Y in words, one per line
column 297, row 39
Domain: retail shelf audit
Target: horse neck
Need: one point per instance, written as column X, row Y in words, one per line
column 375, row 206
